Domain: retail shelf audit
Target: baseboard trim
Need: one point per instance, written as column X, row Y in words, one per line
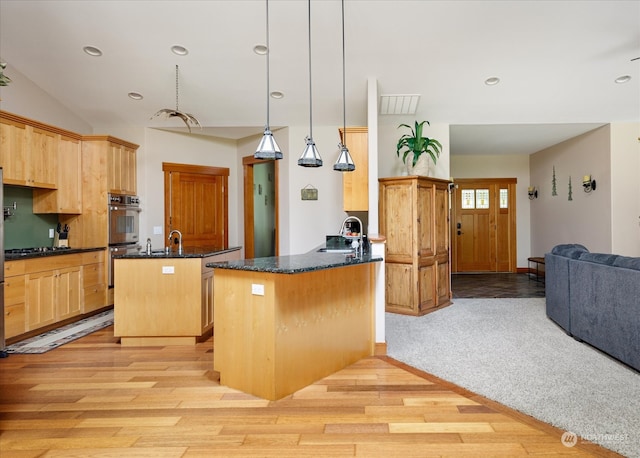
column 380, row 349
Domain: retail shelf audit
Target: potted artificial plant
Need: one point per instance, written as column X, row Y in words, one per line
column 418, row 145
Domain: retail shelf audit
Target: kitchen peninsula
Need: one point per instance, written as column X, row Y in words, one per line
column 165, row 298
column 285, row 322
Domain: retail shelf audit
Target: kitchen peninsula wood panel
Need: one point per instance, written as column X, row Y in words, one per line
column 276, row 333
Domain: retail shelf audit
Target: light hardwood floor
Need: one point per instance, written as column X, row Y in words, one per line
column 92, row 397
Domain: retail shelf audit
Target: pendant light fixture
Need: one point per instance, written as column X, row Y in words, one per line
column 344, row 162
column 187, row 118
column 268, row 148
column 310, row 156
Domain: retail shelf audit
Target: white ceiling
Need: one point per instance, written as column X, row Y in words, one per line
column 557, row 62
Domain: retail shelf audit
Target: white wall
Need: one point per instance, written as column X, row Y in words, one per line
column 24, row 98
column 165, row 146
column 587, row 218
column 625, row 188
column 503, row 166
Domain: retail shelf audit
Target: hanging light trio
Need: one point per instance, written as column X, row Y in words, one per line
column 268, row 148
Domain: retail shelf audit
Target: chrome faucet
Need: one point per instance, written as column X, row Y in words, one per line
column 179, row 239
column 343, row 229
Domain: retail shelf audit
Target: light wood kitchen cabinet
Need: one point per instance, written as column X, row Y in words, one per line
column 122, row 169
column 30, row 153
column 42, row 149
column 27, row 154
column 67, row 199
column 13, row 150
column 414, row 217
column 355, row 185
column 94, row 281
column 14, row 299
column 53, row 289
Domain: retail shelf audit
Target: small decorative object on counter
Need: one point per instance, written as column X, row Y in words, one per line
column 149, row 246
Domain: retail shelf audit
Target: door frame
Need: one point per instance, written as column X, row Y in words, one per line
column 247, row 168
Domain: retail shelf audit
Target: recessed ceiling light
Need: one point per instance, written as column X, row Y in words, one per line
column 277, row 94
column 92, row 51
column 179, row 50
column 622, row 79
column 260, row 49
column 135, row 95
column 492, row 81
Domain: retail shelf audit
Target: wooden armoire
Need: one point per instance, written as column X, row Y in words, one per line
column 414, row 217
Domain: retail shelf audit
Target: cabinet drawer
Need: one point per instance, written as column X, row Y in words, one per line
column 14, row 290
column 93, row 274
column 93, row 257
column 12, row 268
column 48, row 263
column 94, row 297
column 14, row 323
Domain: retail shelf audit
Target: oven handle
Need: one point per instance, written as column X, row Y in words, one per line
column 114, row 208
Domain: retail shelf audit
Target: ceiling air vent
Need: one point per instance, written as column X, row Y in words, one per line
column 398, row 104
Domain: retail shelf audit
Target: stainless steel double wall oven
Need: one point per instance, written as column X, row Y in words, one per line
column 124, row 224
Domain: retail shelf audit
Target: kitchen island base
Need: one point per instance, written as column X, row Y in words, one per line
column 276, row 333
column 163, row 300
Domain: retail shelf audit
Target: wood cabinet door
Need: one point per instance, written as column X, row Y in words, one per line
column 68, row 292
column 13, row 152
column 355, row 184
column 207, row 300
column 122, row 169
column 398, row 221
column 40, row 300
column 42, row 158
column 69, row 176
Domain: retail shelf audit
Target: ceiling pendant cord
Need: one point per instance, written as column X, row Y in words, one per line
column 344, row 162
column 268, row 148
column 177, row 90
column 310, row 156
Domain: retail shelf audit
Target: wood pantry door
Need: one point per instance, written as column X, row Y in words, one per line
column 196, row 204
column 483, row 228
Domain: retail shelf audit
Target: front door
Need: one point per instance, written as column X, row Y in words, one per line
column 196, row 204
column 484, row 225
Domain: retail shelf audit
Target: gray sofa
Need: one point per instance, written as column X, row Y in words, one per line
column 595, row 297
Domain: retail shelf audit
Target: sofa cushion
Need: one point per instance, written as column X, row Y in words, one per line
column 627, row 262
column 599, row 258
column 569, row 250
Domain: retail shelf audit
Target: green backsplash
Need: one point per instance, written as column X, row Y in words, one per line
column 24, row 229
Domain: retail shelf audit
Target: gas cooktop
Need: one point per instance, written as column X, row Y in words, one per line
column 39, row 249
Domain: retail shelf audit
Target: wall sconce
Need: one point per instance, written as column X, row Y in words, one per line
column 588, row 184
column 533, row 192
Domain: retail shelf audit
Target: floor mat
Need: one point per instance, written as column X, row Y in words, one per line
column 57, row 337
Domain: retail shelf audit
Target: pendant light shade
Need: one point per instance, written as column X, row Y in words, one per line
column 310, row 156
column 344, row 162
column 268, row 148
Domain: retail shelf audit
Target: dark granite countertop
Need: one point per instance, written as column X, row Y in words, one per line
column 198, row 252
column 294, row 264
column 16, row 254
